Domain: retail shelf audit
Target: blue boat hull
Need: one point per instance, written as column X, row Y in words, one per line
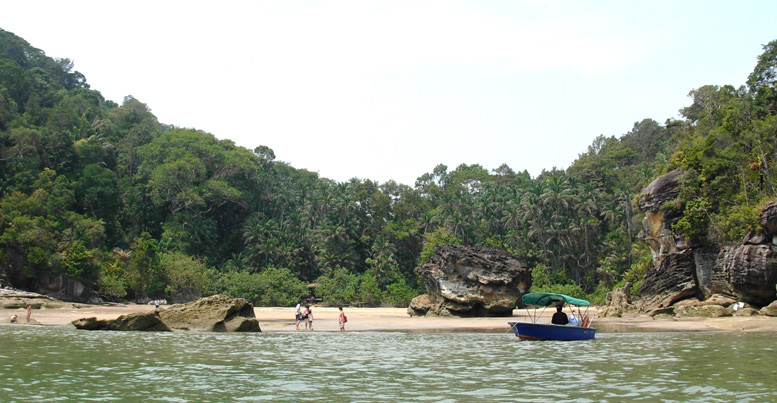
column 538, row 331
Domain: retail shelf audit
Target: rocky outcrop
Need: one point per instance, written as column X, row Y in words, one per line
column 617, row 302
column 11, row 298
column 213, row 314
column 746, row 272
column 149, row 322
column 653, row 202
column 470, row 281
column 770, row 310
column 672, row 280
column 750, row 273
column 768, row 220
column 217, row 313
column 54, row 285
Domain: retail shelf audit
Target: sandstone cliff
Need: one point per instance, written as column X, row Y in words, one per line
column 745, row 272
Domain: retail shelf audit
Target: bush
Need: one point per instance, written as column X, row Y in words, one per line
column 271, row 287
column 399, row 294
column 339, row 287
column 187, row 278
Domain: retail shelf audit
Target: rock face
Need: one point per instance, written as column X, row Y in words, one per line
column 213, row 314
column 658, row 220
column 54, row 285
column 672, row 280
column 217, row 313
column 469, row 281
column 746, row 272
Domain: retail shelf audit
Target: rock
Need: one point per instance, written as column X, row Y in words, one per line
column 662, row 313
column 704, row 311
column 54, row 285
column 756, row 238
column 671, row 281
column 421, row 304
column 745, row 312
column 471, row 281
column 751, row 272
column 718, row 299
column 768, row 218
column 617, row 302
column 148, row 321
column 746, row 272
column 90, row 323
column 658, row 220
column 770, row 310
column 217, row 313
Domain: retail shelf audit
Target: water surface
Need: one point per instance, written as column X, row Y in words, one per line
column 63, row 364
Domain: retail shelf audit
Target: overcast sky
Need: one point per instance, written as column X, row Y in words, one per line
column 389, row 89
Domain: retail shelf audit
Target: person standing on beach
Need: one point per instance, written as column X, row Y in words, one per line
column 29, row 312
column 298, row 314
column 309, row 316
column 342, row 319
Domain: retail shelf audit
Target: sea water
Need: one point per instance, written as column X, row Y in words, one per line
column 39, row 363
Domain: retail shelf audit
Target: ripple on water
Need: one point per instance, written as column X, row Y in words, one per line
column 52, row 364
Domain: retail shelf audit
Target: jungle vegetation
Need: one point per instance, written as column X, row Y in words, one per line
column 137, row 209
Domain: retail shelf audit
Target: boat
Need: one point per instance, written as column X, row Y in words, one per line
column 547, row 331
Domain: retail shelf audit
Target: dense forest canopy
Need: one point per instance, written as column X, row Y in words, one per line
column 135, row 209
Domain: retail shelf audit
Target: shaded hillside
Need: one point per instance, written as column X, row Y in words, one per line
column 105, row 196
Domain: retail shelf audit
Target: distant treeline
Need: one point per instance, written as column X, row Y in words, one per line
column 135, row 209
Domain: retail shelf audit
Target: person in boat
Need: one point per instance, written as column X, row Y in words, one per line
column 573, row 320
column 559, row 318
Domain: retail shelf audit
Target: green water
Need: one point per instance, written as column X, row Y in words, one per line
column 64, row 364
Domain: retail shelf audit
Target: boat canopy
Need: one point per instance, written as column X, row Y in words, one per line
column 549, row 298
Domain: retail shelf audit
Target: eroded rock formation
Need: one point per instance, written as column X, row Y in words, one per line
column 617, row 303
column 217, row 313
column 145, row 321
column 745, row 272
column 212, row 314
column 470, row 281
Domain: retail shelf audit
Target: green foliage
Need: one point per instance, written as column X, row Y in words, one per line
column 439, row 236
column 695, row 221
column 77, row 262
column 338, row 287
column 399, row 294
column 238, row 284
column 137, row 209
column 271, row 287
column 186, row 277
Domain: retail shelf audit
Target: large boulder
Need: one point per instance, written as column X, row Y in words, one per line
column 471, row 281
column 147, row 321
column 217, row 313
column 750, row 272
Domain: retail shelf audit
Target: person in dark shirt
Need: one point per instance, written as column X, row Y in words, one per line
column 559, row 318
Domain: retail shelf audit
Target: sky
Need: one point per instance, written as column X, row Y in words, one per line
column 388, row 90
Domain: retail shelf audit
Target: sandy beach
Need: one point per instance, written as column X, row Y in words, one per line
column 281, row 319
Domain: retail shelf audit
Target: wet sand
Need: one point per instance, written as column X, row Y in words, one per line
column 397, row 319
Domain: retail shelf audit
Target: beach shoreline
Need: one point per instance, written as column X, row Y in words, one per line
column 281, row 319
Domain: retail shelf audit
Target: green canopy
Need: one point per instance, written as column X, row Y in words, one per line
column 549, row 298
